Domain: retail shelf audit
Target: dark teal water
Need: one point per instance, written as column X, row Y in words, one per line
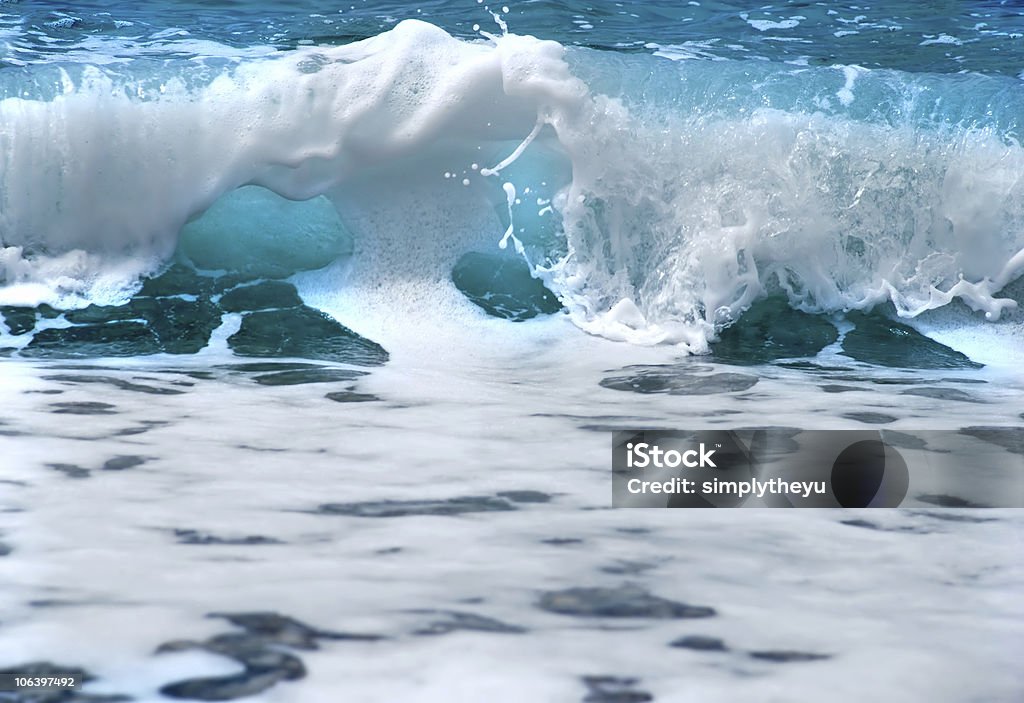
column 946, row 37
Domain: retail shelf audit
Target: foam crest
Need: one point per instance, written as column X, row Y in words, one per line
column 676, row 229
column 115, row 176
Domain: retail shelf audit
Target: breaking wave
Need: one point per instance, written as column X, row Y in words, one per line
column 657, row 199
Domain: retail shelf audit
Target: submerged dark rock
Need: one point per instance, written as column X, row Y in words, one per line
column 261, row 296
column 448, row 621
column 351, row 397
column 141, row 428
column 111, row 339
column 70, row 470
column 772, row 330
column 954, row 394
column 503, row 287
column 178, row 326
column 175, row 313
column 561, row 541
column 903, row 440
column 305, row 333
column 614, row 689
column 947, row 501
column 102, row 314
column 179, row 279
column 181, row 326
column 876, row 380
column 284, row 630
column 677, row 380
column 120, row 463
column 812, row 366
column 195, row 537
column 404, row 508
column 525, row 496
column 622, row 602
column 868, row 525
column 304, row 376
column 268, row 366
column 263, row 669
column 626, row 567
column 700, row 643
column 870, row 418
column 950, row 516
column 261, row 649
column 883, row 342
column 1009, row 438
column 115, row 382
column 83, row 408
column 19, row 320
column 786, row 656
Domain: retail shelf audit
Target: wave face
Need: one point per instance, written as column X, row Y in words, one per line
column 841, row 187
column 657, row 199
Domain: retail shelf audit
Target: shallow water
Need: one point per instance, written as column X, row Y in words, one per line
column 440, row 510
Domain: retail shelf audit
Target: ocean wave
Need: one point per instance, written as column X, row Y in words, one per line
column 657, row 199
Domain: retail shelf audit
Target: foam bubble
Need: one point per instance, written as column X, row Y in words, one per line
column 763, row 25
column 850, row 73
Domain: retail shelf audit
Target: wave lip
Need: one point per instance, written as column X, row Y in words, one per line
column 97, row 182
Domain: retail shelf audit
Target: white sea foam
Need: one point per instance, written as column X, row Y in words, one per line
column 763, row 25
column 519, row 411
column 845, row 94
column 941, row 39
